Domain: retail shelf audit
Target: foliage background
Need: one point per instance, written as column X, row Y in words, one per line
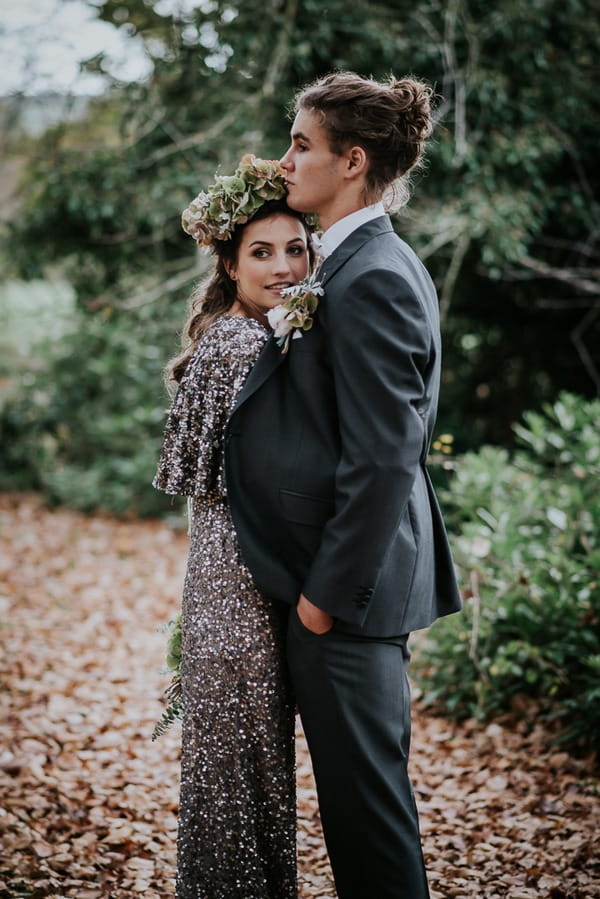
column 525, row 529
column 505, row 216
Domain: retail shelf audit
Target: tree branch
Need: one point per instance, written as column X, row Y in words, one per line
column 443, row 236
column 571, row 276
column 460, row 251
column 583, row 179
column 584, row 354
column 265, row 93
column 201, row 137
column 281, row 52
column 456, row 76
column 175, row 282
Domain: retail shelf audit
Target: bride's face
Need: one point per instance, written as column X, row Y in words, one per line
column 273, row 254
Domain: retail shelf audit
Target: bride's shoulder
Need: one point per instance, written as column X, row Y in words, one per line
column 236, row 330
column 229, row 340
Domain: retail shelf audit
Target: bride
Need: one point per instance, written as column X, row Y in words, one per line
column 237, row 817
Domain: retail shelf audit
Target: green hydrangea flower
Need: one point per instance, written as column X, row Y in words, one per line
column 233, row 199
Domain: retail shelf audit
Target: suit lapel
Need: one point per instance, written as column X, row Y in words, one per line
column 271, row 357
column 351, row 245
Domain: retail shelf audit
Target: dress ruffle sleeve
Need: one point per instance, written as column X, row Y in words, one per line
column 192, row 458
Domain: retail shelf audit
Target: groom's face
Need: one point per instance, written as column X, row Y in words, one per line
column 314, row 174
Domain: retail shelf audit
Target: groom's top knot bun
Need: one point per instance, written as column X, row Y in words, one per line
column 412, row 101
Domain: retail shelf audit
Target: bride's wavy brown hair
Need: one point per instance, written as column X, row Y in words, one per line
column 215, row 297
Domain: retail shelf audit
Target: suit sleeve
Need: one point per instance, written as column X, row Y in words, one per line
column 380, row 345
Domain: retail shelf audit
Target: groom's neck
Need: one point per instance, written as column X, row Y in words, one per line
column 330, row 217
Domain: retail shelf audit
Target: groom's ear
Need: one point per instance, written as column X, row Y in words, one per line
column 357, row 162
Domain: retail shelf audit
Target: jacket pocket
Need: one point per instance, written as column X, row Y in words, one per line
column 301, row 508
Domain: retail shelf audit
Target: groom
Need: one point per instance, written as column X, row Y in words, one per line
column 333, row 506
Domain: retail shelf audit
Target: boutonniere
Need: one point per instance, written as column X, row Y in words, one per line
column 295, row 314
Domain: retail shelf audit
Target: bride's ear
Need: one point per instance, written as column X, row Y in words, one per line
column 230, row 269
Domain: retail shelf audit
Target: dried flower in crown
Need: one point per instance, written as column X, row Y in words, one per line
column 233, row 199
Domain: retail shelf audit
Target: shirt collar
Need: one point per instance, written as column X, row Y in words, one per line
column 343, row 228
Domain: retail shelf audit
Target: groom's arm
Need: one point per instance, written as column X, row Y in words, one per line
column 380, row 347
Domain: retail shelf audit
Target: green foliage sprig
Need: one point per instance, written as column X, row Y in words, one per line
column 173, row 692
column 525, row 534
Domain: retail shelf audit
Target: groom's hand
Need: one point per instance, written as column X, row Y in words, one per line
column 313, row 618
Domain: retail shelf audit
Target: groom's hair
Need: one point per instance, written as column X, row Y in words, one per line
column 390, row 120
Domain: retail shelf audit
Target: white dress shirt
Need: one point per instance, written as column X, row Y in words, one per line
column 340, row 230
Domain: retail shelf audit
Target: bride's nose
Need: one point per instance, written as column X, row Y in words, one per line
column 281, row 263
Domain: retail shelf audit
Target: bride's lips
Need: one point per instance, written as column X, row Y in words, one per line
column 277, row 288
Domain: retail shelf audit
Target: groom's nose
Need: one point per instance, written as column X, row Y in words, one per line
column 284, row 161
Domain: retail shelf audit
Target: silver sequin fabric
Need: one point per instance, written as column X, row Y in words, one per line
column 237, row 813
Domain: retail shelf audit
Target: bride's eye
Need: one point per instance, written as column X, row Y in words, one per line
column 260, row 253
column 296, row 250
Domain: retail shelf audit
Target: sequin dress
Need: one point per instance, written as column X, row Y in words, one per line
column 237, row 815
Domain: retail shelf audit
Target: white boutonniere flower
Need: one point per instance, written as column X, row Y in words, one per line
column 295, row 314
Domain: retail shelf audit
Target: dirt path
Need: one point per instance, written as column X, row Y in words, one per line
column 89, row 802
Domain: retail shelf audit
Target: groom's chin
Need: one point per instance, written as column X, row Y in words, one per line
column 298, row 205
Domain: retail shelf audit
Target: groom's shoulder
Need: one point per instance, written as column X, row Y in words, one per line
column 385, row 249
column 388, row 262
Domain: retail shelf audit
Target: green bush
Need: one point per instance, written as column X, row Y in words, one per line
column 525, row 531
column 84, row 424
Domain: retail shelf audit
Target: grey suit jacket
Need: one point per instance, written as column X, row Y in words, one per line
column 326, row 448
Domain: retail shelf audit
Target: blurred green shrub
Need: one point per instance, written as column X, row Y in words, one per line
column 84, row 424
column 525, row 537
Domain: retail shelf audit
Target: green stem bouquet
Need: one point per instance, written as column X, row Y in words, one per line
column 173, row 692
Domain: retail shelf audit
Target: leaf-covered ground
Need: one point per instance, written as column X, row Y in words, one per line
column 89, row 803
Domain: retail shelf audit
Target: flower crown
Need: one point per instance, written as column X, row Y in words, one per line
column 233, row 199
